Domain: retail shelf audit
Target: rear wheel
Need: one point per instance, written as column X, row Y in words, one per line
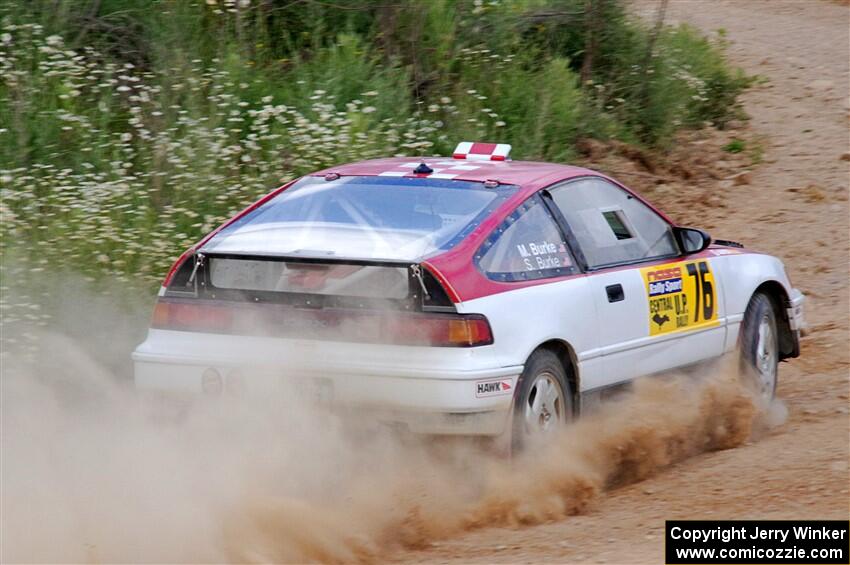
column 760, row 346
column 543, row 403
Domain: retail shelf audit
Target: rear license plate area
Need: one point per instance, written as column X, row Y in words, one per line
column 315, row 390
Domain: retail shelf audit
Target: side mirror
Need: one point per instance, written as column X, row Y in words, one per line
column 691, row 240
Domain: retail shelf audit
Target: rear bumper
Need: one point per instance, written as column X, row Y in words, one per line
column 433, row 399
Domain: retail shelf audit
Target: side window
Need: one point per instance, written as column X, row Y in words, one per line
column 527, row 245
column 610, row 225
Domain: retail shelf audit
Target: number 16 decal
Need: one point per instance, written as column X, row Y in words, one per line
column 681, row 296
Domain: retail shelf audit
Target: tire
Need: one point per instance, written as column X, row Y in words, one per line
column 543, row 404
column 759, row 347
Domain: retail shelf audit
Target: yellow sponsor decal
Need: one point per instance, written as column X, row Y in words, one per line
column 682, row 296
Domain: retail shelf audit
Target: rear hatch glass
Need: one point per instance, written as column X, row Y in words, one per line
column 367, row 218
column 369, row 281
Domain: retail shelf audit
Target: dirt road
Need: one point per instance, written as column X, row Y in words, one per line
column 796, row 206
column 88, row 464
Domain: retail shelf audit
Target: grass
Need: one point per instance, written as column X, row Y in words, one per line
column 129, row 131
column 735, row 146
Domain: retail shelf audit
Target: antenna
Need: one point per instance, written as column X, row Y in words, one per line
column 423, row 169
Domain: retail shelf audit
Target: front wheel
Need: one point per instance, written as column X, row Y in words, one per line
column 760, row 346
column 543, row 403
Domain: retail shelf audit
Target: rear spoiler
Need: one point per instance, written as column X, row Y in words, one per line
column 424, row 290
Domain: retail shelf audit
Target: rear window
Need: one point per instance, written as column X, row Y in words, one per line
column 368, row 281
column 377, row 218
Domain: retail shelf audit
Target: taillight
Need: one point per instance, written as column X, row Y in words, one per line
column 188, row 316
column 461, row 331
column 440, row 330
column 471, row 331
column 401, row 328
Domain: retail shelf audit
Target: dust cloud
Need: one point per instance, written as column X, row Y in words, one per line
column 94, row 472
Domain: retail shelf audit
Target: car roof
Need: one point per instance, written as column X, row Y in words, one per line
column 526, row 174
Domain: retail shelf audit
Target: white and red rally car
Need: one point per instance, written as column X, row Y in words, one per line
column 471, row 295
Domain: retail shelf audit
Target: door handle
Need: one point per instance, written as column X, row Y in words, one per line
column 615, row 292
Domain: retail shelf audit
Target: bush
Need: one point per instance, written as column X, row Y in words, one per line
column 117, row 170
column 128, row 132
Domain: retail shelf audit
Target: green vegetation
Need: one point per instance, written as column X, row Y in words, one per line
column 128, row 128
column 735, row 146
column 755, row 150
